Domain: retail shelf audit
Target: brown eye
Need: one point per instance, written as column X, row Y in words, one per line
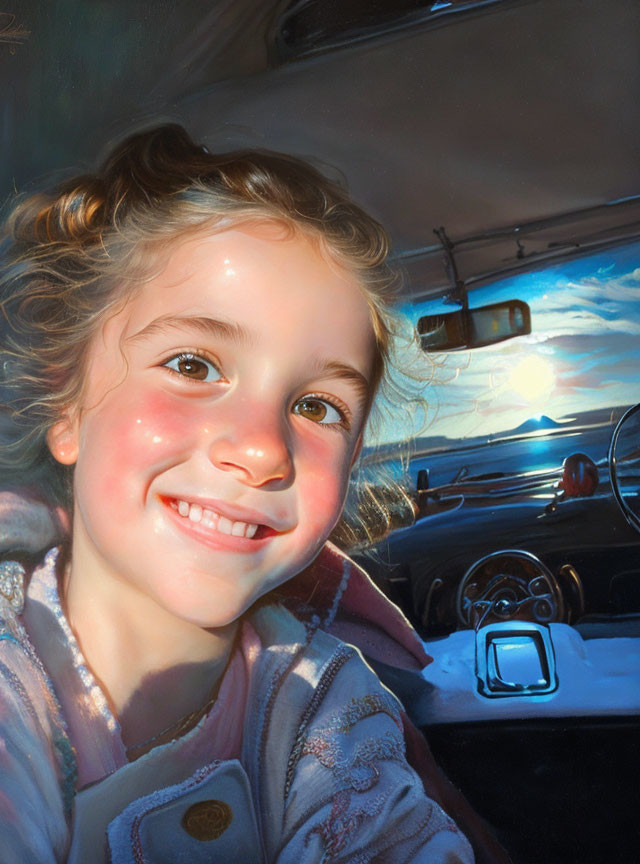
column 194, row 367
column 317, row 410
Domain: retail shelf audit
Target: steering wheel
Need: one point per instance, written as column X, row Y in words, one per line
column 508, row 585
column 624, row 465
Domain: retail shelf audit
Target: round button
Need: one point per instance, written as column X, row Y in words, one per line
column 207, row 820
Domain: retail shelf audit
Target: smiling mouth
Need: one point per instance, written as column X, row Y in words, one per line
column 208, row 519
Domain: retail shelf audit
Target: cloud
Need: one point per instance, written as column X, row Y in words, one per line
column 585, row 322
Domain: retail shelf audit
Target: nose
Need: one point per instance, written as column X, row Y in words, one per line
column 256, row 451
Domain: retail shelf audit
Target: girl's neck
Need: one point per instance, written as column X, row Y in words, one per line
column 154, row 668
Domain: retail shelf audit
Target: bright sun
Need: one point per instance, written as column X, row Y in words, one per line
column 532, row 378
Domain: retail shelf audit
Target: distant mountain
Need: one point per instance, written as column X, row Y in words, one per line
column 534, row 424
column 438, row 443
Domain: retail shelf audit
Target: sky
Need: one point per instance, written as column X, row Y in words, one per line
column 583, row 353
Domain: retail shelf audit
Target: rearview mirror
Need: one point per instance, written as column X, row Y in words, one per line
column 474, row 328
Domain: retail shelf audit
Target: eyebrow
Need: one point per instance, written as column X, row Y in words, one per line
column 344, row 372
column 234, row 332
column 204, row 324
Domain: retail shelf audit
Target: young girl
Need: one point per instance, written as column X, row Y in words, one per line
column 190, row 346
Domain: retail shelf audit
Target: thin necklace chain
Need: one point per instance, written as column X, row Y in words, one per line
column 178, row 727
column 174, row 730
column 184, row 724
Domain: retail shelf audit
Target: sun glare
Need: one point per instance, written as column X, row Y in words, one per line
column 532, row 378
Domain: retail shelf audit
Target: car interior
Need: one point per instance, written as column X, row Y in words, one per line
column 497, row 142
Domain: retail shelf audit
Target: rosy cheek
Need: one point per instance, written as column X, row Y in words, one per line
column 156, row 423
column 124, row 437
column 325, row 475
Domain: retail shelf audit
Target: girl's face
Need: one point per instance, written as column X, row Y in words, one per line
column 222, row 413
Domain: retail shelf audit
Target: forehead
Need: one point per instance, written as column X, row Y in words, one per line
column 282, row 290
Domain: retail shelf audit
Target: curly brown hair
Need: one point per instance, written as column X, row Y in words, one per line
column 73, row 255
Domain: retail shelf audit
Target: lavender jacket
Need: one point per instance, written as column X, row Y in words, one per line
column 322, row 776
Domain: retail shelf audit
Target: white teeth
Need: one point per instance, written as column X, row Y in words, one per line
column 225, row 525
column 195, row 513
column 210, row 519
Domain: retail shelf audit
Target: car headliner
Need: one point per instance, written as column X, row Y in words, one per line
column 516, row 112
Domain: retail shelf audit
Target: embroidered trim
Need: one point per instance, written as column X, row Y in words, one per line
column 346, row 573
column 323, row 741
column 381, row 702
column 18, row 687
column 342, row 654
column 61, row 741
column 164, row 795
column 355, row 767
column 360, row 771
column 94, row 693
column 265, row 713
column 272, row 691
column 343, row 821
column 67, row 757
column 426, row 829
column 12, row 585
column 13, row 630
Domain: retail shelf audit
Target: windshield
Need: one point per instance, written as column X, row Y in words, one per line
column 577, row 367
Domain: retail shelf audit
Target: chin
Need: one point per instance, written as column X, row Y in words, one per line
column 208, row 615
